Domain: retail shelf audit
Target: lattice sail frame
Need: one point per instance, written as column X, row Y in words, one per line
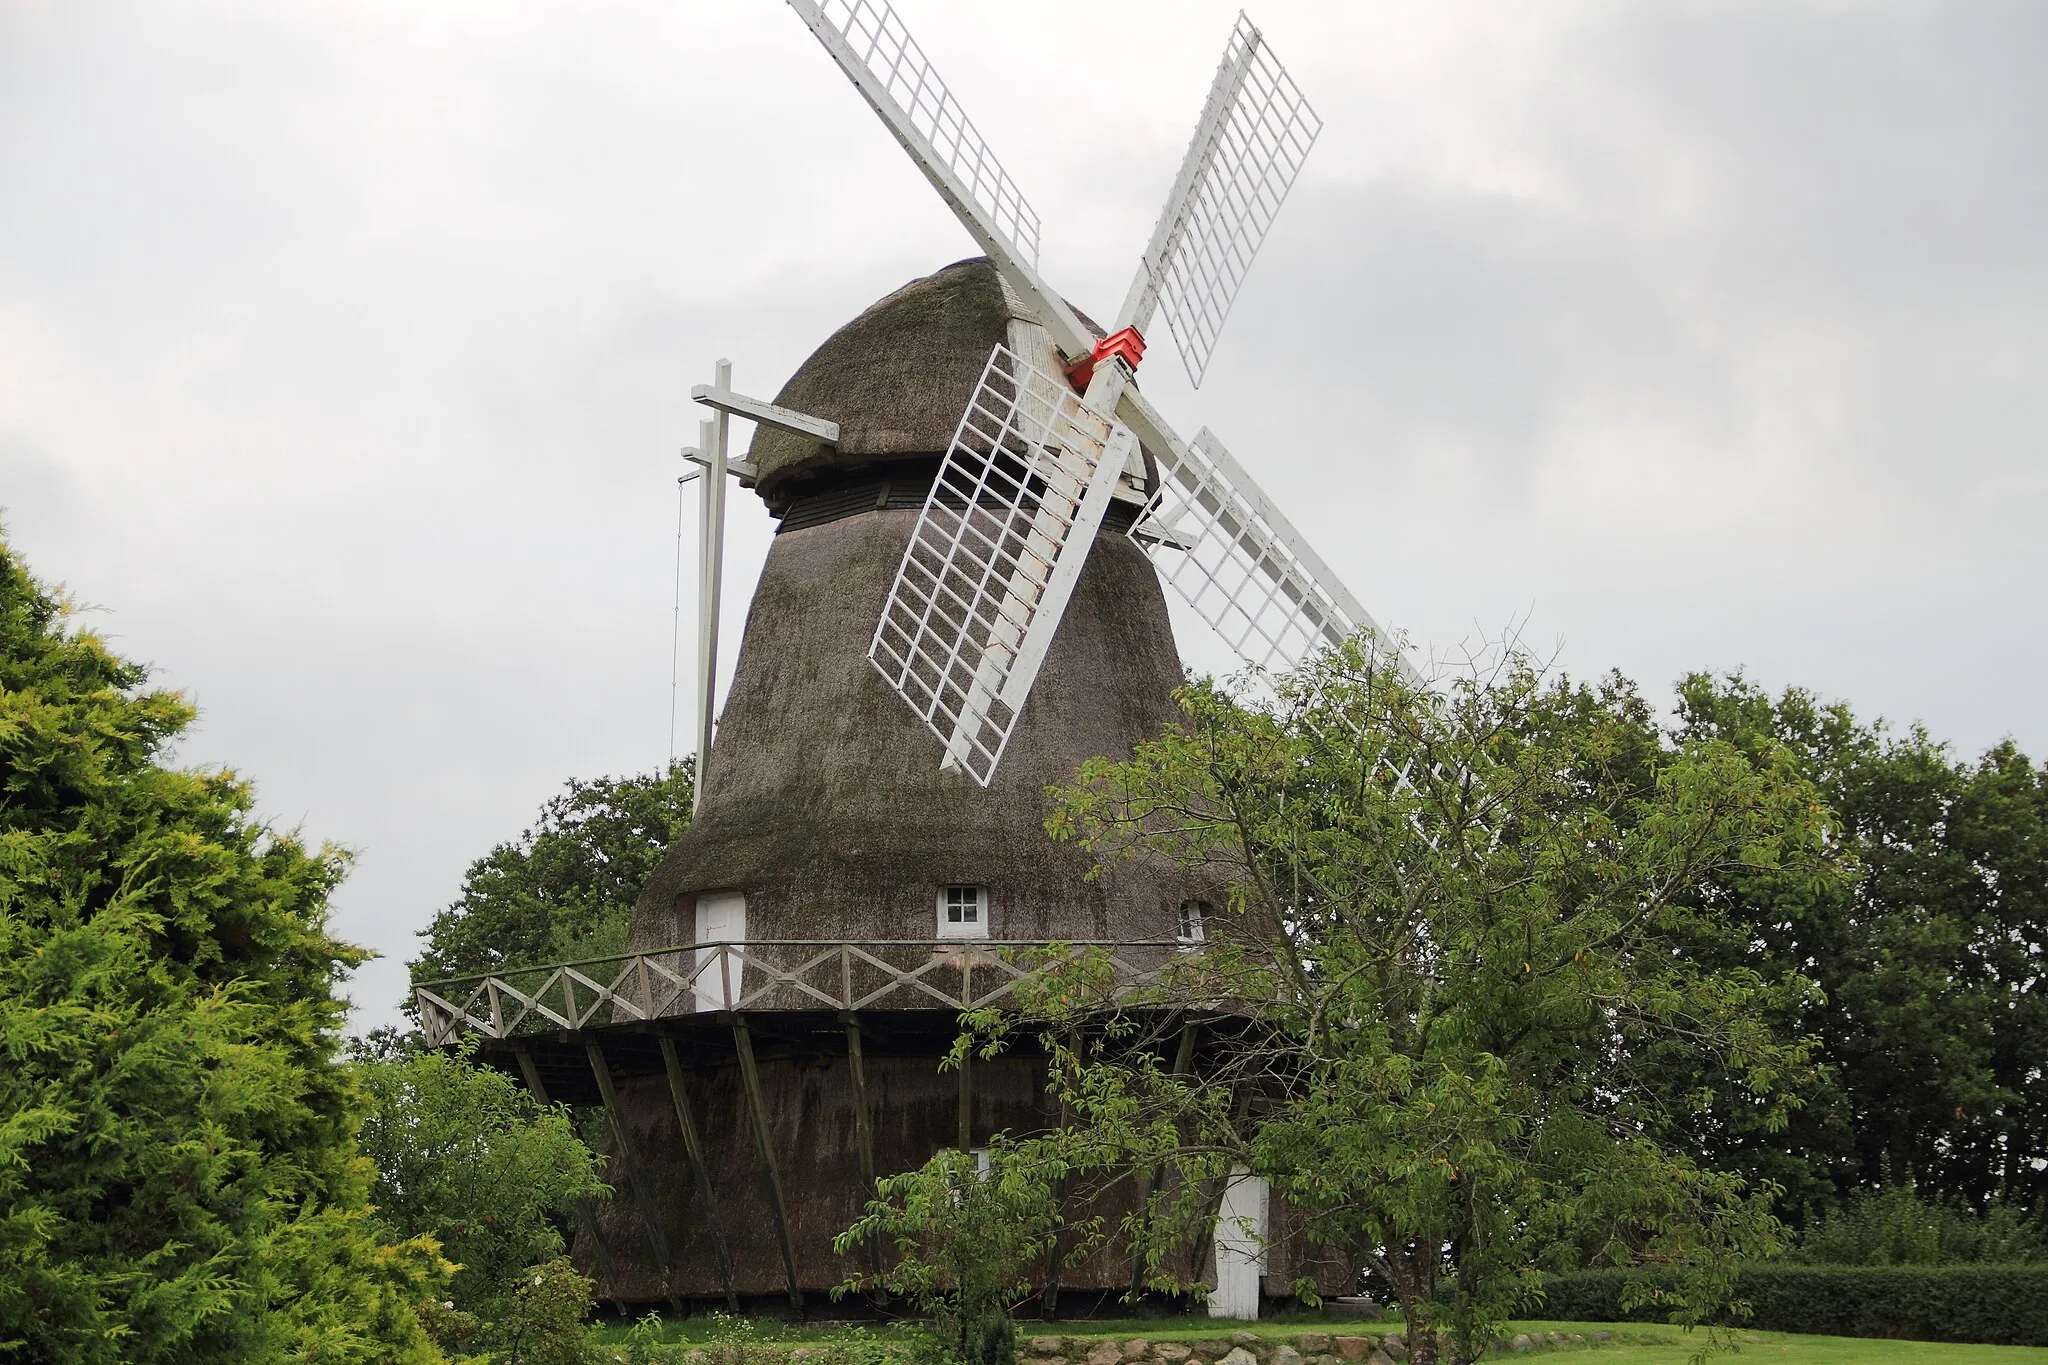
column 993, row 560
column 1235, row 563
column 869, row 34
column 1259, row 149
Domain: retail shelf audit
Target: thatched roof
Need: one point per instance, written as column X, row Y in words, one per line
column 895, row 379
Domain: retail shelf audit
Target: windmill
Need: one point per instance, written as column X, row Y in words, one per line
column 964, row 600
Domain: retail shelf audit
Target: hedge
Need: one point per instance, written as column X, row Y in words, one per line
column 2001, row 1304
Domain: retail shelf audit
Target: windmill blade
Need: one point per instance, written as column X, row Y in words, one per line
column 877, row 53
column 1219, row 542
column 997, row 550
column 1255, row 132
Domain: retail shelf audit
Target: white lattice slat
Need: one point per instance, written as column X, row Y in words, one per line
column 1248, row 158
column 885, row 64
column 995, row 555
column 1230, row 554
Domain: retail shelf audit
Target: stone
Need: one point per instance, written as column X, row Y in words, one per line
column 1352, row 1348
column 1135, row 1348
column 1313, row 1343
column 1239, row 1356
column 1557, row 1339
column 1171, row 1351
column 1603, row 1337
column 1395, row 1345
column 1105, row 1353
column 1249, row 1340
column 1044, row 1346
column 1283, row 1354
column 1209, row 1348
column 1521, row 1343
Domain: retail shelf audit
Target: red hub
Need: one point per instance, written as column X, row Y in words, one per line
column 1128, row 343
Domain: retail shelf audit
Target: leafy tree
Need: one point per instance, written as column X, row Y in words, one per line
column 564, row 888
column 967, row 1244
column 1929, row 952
column 467, row 1156
column 178, row 1174
column 1454, row 922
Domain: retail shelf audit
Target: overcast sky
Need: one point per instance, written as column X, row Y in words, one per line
column 345, row 348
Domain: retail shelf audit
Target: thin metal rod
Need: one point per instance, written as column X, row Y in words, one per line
column 693, row 1146
column 675, row 647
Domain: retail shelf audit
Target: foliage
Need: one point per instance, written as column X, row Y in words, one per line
column 1898, row 1226
column 546, row 1326
column 564, row 889
column 969, row 1243
column 1928, row 956
column 2005, row 1304
column 1458, row 920
column 466, row 1155
column 178, row 1174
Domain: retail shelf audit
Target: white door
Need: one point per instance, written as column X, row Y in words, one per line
column 1240, row 1246
column 721, row 918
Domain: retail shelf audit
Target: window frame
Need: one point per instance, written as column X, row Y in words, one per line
column 977, row 928
column 1190, row 926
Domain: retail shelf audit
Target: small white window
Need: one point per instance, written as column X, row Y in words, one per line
column 1192, row 914
column 963, row 912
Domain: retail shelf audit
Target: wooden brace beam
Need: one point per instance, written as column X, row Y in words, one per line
column 636, row 1176
column 693, row 1147
column 757, row 1111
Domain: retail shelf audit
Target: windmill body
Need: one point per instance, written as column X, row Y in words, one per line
column 979, row 511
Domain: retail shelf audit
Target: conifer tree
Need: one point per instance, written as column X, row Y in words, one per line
column 179, row 1179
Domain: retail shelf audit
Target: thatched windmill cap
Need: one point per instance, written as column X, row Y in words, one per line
column 895, row 379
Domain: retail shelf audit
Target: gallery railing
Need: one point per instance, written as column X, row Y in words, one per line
column 768, row 974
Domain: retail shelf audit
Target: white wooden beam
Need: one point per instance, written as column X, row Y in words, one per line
column 767, row 414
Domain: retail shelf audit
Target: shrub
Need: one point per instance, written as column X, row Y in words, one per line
column 1897, row 1226
column 466, row 1155
column 2000, row 1304
column 547, row 1320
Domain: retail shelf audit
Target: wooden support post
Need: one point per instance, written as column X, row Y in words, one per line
column 1183, row 1063
column 650, row 1212
column 743, row 1041
column 966, row 1054
column 966, row 1100
column 693, row 1147
column 586, row 1213
column 863, row 1131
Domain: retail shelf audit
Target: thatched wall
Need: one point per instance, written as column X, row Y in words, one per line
column 824, row 799
column 895, row 379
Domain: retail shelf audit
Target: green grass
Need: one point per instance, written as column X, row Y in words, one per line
column 1646, row 1344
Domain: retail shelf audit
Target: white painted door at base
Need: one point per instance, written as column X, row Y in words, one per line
column 1240, row 1246
column 721, row 918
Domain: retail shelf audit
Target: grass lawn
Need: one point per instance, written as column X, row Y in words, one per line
column 1647, row 1344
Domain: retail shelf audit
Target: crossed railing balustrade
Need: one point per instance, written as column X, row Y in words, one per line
column 763, row 974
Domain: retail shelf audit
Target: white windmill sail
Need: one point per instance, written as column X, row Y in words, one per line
column 1255, row 132
column 981, row 588
column 997, row 550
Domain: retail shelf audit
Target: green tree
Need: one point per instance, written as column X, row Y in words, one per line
column 1929, row 952
column 179, row 1179
column 1453, row 923
column 565, row 887
column 965, row 1243
column 467, row 1156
